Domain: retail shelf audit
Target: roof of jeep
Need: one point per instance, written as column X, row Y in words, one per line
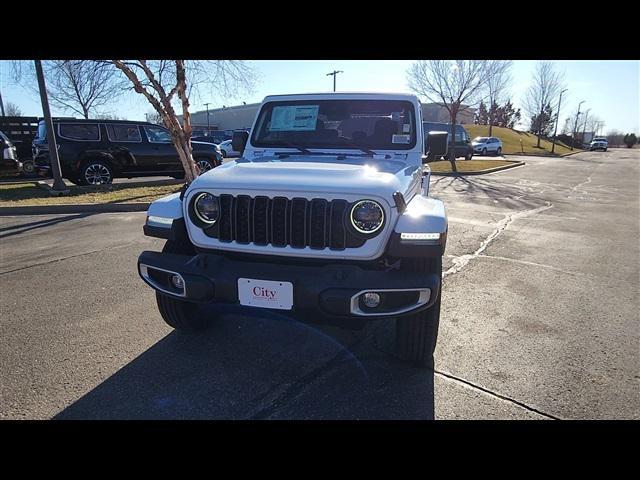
column 96, row 120
column 354, row 95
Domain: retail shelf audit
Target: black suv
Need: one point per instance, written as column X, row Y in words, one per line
column 462, row 141
column 94, row 152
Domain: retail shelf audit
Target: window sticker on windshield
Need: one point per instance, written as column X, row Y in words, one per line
column 406, row 128
column 298, row 118
column 401, row 139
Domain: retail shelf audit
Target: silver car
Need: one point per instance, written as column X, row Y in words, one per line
column 486, row 145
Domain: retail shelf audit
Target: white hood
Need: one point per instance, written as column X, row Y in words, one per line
column 315, row 174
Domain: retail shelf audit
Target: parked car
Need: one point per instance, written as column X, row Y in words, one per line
column 94, row 152
column 462, row 139
column 226, row 149
column 486, row 145
column 326, row 218
column 599, row 143
column 10, row 165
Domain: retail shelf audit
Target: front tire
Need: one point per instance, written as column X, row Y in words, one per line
column 96, row 172
column 468, row 156
column 204, row 164
column 499, row 152
column 183, row 316
column 484, row 152
column 416, row 334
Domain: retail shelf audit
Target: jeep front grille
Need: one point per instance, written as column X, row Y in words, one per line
column 281, row 222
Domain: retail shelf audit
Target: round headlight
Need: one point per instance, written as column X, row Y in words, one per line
column 206, row 208
column 367, row 216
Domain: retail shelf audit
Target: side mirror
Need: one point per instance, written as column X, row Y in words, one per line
column 436, row 145
column 239, row 141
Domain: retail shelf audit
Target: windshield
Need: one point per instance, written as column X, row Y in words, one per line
column 480, row 139
column 339, row 124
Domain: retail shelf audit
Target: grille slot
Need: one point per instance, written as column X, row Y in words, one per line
column 281, row 222
column 279, row 207
column 226, row 217
column 260, row 220
column 317, row 223
column 298, row 222
column 337, row 231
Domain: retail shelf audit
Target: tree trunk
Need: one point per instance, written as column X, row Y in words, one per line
column 539, row 127
column 491, row 120
column 452, row 141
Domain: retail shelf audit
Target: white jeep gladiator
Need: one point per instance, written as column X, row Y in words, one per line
column 324, row 217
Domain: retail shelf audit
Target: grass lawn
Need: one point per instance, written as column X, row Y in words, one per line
column 511, row 141
column 21, row 194
column 466, row 166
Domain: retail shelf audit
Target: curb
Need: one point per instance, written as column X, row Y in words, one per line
column 479, row 172
column 77, row 208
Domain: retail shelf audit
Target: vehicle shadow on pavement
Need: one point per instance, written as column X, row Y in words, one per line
column 485, row 191
column 264, row 367
column 26, row 227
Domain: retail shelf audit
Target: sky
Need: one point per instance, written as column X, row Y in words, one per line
column 610, row 89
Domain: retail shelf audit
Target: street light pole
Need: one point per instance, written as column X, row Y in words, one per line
column 334, row 73
column 555, row 132
column 1, row 104
column 208, row 128
column 575, row 126
column 58, row 184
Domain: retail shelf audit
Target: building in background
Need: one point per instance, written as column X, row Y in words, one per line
column 225, row 119
column 240, row 117
column 436, row 112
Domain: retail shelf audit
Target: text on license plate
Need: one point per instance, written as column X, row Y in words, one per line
column 265, row 293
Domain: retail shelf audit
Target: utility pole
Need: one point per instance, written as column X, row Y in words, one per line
column 575, row 126
column 555, row 132
column 1, row 104
column 208, row 128
column 584, row 128
column 334, row 73
column 59, row 186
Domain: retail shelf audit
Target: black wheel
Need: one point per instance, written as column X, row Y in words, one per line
column 28, row 169
column 484, row 152
column 468, row 156
column 416, row 335
column 183, row 316
column 204, row 164
column 499, row 151
column 224, row 153
column 96, row 172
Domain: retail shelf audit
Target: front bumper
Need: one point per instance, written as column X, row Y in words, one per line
column 321, row 293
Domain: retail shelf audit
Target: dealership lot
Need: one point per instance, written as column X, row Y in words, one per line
column 540, row 317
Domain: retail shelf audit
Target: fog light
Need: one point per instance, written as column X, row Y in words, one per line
column 371, row 299
column 176, row 281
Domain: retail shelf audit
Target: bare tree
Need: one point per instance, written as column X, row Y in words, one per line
column 154, row 117
column 78, row 86
column 453, row 84
column 498, row 83
column 166, row 82
column 543, row 91
column 12, row 110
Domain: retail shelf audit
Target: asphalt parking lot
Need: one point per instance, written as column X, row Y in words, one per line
column 540, row 318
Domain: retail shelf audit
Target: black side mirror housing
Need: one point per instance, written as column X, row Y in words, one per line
column 437, row 145
column 239, row 141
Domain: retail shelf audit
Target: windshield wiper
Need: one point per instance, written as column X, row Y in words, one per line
column 302, row 148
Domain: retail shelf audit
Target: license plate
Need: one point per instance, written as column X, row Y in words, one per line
column 265, row 293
